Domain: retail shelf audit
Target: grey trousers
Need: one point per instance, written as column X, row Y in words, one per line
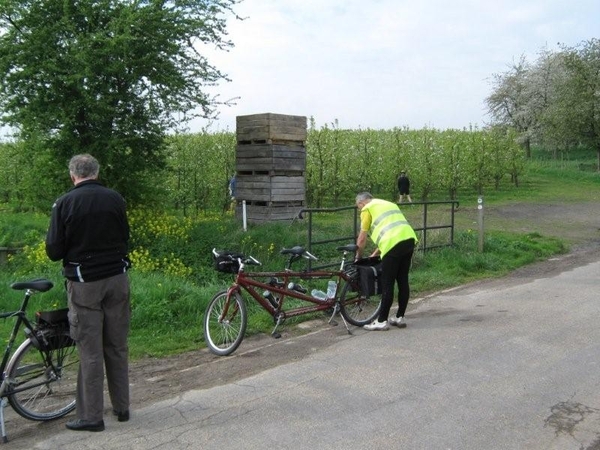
column 99, row 315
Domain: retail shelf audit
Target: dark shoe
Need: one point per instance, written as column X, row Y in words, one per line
column 85, row 425
column 122, row 416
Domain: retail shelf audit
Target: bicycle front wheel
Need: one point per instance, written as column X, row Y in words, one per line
column 356, row 308
column 43, row 383
column 225, row 323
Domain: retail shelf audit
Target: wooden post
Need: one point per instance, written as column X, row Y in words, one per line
column 480, row 221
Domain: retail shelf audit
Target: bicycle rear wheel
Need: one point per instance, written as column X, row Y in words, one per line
column 43, row 383
column 225, row 323
column 357, row 309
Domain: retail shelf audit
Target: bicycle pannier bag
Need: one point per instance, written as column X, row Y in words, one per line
column 369, row 274
column 55, row 318
column 224, row 262
column 52, row 331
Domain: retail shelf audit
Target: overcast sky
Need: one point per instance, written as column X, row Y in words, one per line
column 386, row 63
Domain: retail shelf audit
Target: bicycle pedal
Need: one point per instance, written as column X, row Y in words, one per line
column 276, row 335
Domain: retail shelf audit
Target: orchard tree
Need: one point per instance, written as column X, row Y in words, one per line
column 108, row 77
column 547, row 76
column 510, row 103
column 557, row 129
column 581, row 99
column 555, row 102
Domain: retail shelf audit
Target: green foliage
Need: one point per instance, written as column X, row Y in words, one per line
column 27, row 176
column 19, row 229
column 200, row 166
column 341, row 163
column 108, row 78
column 553, row 102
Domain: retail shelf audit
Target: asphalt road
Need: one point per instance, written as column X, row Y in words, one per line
column 504, row 364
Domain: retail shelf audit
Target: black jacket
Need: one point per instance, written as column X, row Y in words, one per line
column 403, row 184
column 89, row 232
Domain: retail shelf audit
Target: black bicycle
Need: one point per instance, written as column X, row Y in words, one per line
column 39, row 380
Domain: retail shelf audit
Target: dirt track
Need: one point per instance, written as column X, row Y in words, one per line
column 153, row 380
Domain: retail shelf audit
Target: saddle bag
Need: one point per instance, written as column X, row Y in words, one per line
column 52, row 330
column 369, row 275
column 227, row 262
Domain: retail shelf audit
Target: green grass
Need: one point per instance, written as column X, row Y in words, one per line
column 19, row 229
column 168, row 310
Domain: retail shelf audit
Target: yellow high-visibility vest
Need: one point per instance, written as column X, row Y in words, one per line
column 388, row 225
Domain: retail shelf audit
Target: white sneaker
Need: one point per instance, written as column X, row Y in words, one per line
column 377, row 326
column 397, row 321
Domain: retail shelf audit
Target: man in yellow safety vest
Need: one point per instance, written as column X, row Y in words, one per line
column 395, row 240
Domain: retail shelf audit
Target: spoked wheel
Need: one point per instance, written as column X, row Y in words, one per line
column 225, row 323
column 356, row 308
column 43, row 384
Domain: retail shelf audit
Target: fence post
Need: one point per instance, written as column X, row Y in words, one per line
column 244, row 215
column 480, row 221
column 424, row 227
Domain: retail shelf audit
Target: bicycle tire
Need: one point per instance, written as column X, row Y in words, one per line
column 223, row 337
column 356, row 308
column 39, row 390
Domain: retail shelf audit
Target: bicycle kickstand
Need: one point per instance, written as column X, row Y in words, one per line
column 336, row 309
column 275, row 333
column 2, row 427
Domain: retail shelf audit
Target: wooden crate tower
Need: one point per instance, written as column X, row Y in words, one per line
column 270, row 166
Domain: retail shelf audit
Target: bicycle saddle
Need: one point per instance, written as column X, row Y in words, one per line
column 348, row 248
column 297, row 250
column 41, row 285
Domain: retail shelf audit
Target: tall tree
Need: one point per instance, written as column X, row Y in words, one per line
column 510, row 103
column 582, row 100
column 108, row 77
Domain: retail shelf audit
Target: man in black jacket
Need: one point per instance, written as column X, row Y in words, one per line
column 89, row 232
column 403, row 187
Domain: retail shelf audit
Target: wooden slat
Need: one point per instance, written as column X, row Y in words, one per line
column 262, row 214
column 270, row 150
column 271, row 188
column 269, row 157
column 270, row 127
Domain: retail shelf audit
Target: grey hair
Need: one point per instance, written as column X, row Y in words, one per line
column 363, row 196
column 84, row 166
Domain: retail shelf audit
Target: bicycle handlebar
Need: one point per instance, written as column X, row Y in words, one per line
column 252, row 260
column 233, row 256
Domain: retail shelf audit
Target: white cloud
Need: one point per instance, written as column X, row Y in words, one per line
column 385, row 63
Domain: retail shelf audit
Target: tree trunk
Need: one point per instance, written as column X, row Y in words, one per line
column 527, row 146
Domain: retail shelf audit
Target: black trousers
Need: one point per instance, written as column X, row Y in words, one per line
column 395, row 267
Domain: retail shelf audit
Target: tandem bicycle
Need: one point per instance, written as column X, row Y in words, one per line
column 39, row 380
column 226, row 315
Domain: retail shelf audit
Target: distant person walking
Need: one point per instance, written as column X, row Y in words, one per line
column 403, row 187
column 90, row 233
column 395, row 240
column 231, row 187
